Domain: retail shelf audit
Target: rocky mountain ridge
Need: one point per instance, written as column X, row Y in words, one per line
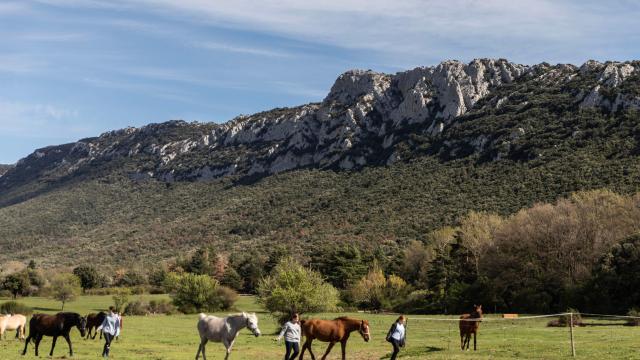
column 366, row 119
column 4, row 168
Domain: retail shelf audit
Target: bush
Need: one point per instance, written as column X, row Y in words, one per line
column 199, row 293
column 88, row 276
column 161, row 307
column 132, row 278
column 634, row 320
column 14, row 307
column 374, row 291
column 120, row 298
column 16, row 283
column 294, row 288
column 565, row 320
column 64, row 288
column 141, row 307
column 136, row 307
column 419, row 302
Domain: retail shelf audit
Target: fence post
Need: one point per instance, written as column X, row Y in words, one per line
column 573, row 347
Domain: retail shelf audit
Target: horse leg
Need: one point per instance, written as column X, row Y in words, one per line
column 304, row 348
column 313, row 357
column 66, row 337
column 326, row 353
column 475, row 334
column 26, row 343
column 227, row 346
column 343, row 346
column 203, row 343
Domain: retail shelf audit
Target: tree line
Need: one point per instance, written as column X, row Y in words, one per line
column 582, row 251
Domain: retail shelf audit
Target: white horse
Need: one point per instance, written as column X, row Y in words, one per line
column 224, row 330
column 13, row 322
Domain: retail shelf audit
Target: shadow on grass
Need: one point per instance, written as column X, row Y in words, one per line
column 45, row 309
column 415, row 352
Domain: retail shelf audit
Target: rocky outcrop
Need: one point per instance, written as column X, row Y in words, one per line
column 608, row 76
column 4, row 169
column 359, row 123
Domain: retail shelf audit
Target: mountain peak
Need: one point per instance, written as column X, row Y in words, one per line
column 361, row 122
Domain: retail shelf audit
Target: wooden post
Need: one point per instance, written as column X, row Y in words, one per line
column 573, row 347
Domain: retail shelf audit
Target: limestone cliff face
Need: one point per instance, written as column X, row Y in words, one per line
column 359, row 123
column 4, row 169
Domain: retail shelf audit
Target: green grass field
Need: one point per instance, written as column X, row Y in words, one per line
column 176, row 337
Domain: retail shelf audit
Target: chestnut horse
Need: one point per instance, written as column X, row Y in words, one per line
column 469, row 324
column 93, row 321
column 56, row 325
column 332, row 331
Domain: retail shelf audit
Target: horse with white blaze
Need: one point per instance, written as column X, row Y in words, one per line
column 224, row 330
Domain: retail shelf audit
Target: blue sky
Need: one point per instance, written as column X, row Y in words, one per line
column 76, row 68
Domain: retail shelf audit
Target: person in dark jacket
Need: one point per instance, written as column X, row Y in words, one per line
column 397, row 335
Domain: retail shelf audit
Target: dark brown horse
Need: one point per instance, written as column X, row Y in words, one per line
column 93, row 321
column 469, row 324
column 332, row 331
column 56, row 325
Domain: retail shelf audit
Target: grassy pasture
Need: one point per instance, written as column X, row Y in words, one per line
column 175, row 337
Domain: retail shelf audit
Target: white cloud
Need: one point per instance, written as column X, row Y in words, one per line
column 405, row 32
column 47, row 36
column 19, row 63
column 34, row 119
column 218, row 46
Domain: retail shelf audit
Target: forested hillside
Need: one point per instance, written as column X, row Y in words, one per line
column 382, row 161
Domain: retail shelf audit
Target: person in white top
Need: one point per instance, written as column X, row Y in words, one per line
column 110, row 328
column 397, row 335
column 291, row 332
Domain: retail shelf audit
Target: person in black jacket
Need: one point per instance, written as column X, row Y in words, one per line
column 397, row 335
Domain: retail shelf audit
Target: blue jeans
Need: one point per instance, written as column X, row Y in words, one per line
column 107, row 344
column 396, row 348
column 291, row 345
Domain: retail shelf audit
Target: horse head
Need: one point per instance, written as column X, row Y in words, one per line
column 252, row 323
column 82, row 325
column 364, row 330
column 477, row 312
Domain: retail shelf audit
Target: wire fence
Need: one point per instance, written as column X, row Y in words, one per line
column 600, row 335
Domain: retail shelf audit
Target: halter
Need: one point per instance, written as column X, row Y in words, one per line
column 248, row 324
column 361, row 330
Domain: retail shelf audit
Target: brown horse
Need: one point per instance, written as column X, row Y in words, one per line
column 93, row 321
column 56, row 325
column 332, row 331
column 469, row 324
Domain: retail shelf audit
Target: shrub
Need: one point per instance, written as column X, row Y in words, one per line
column 419, row 302
column 88, row 276
column 634, row 319
column 161, row 307
column 16, row 283
column 198, row 293
column 120, row 298
column 294, row 288
column 14, row 307
column 374, row 291
column 136, row 307
column 565, row 320
column 64, row 288
column 132, row 278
